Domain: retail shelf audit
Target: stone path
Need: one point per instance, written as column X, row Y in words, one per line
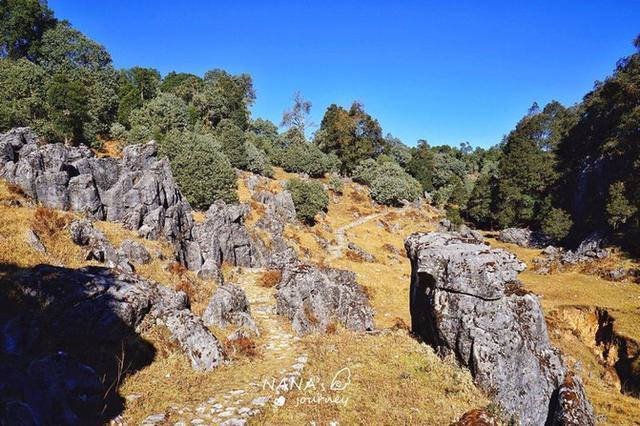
column 279, row 348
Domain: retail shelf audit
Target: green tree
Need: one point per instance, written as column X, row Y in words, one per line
column 202, row 172
column 479, row 209
column 23, row 94
column 556, row 224
column 619, row 209
column 162, row 114
column 421, row 165
column 135, row 86
column 22, row 24
column 64, row 48
column 233, row 143
column 309, row 198
column 225, row 96
column 303, row 157
column 394, row 148
column 351, row 135
column 67, row 100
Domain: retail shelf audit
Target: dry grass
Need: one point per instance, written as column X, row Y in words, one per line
column 47, row 223
column 394, row 380
column 241, row 347
column 269, row 279
column 572, row 288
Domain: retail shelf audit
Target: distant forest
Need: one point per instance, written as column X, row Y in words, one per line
column 564, row 171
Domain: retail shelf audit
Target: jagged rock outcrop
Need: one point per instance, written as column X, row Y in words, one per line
column 97, row 315
column 313, row 298
column 229, row 306
column 95, row 304
column 465, row 301
column 361, row 253
column 222, row 237
column 135, row 252
column 138, row 190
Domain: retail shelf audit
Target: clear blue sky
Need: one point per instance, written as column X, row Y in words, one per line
column 454, row 72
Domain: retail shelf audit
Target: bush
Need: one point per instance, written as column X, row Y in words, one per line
column 162, row 114
column 202, row 171
column 303, row 157
column 138, row 134
column 557, row 224
column 118, row 132
column 232, row 141
column 257, row 161
column 389, row 183
column 309, row 198
column 336, row 184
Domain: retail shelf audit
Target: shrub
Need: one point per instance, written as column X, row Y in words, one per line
column 391, row 185
column 336, row 184
column 162, row 114
column 232, row 141
column 556, row 224
column 309, row 198
column 303, row 157
column 453, row 214
column 118, row 132
column 203, row 173
column 138, row 134
column 47, row 222
column 365, row 171
column 257, row 161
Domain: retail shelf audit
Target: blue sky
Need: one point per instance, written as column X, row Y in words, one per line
column 447, row 72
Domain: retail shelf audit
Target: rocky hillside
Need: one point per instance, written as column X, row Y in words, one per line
column 121, row 303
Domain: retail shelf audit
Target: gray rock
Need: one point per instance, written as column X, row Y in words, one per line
column 222, row 237
column 519, row 236
column 136, row 252
column 445, row 225
column 210, row 271
column 472, row 234
column 55, row 389
column 592, row 247
column 34, row 241
column 100, row 305
column 229, row 305
column 313, row 298
column 465, row 301
column 99, row 248
column 367, row 257
column 137, row 191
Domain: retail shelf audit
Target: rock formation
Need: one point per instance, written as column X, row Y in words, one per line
column 229, row 306
column 137, row 190
column 465, row 301
column 95, row 314
column 313, row 298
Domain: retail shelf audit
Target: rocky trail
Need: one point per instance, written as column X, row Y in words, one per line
column 280, row 361
column 337, row 250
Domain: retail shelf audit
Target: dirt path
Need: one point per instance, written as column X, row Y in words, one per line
column 337, row 250
column 281, row 360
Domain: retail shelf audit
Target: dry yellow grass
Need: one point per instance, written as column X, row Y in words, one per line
column 561, row 290
column 393, row 381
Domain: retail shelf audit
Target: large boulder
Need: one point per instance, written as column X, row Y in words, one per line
column 229, row 306
column 222, row 237
column 465, row 300
column 314, row 298
column 519, row 236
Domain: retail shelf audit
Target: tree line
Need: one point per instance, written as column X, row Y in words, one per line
column 564, row 171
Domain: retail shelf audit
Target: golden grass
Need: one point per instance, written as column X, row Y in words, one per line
column 394, row 381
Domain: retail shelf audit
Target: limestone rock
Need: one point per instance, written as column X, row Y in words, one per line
column 34, row 241
column 136, row 252
column 367, row 257
column 229, row 305
column 519, row 236
column 465, row 301
column 313, row 298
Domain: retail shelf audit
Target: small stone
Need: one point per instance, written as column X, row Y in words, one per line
column 260, row 401
column 279, row 401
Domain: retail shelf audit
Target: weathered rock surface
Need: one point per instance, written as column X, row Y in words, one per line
column 138, row 190
column 135, row 252
column 360, row 252
column 314, row 298
column 97, row 304
column 222, row 237
column 519, row 236
column 229, row 306
column 98, row 247
column 465, row 300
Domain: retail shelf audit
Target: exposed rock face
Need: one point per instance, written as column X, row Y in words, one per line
column 465, row 300
column 229, row 305
column 223, row 237
column 314, row 298
column 137, row 190
column 101, row 304
column 96, row 314
column 360, row 252
column 99, row 248
column 518, row 236
column 135, row 252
